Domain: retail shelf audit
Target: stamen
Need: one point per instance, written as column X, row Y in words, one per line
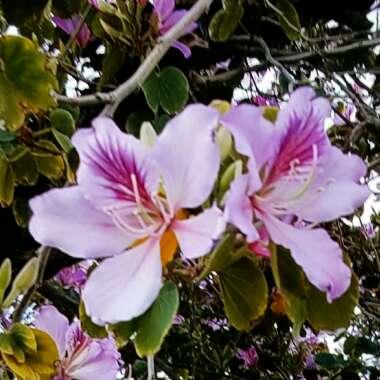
column 310, row 176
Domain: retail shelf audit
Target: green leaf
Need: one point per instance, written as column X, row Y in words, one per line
column 6, row 344
column 174, row 90
column 135, row 120
column 113, row 61
column 7, row 136
column 90, row 327
column 24, row 167
column 38, row 363
column 290, row 281
column 49, row 160
column 169, row 88
column 26, row 81
column 244, row 293
column 62, row 121
column 63, row 141
column 21, row 212
column 329, row 361
column 155, row 323
column 221, row 257
column 331, row 316
column 5, row 277
column 23, row 336
column 7, row 183
column 225, row 21
column 289, row 16
column 124, row 330
column 23, row 281
column 151, row 89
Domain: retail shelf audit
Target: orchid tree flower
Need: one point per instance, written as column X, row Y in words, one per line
column 295, row 172
column 70, row 25
column 132, row 202
column 81, row 357
column 167, row 17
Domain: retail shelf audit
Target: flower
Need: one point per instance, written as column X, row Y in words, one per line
column 130, row 203
column 167, row 16
column 70, row 25
column 81, row 357
column 249, row 356
column 294, row 171
column 74, row 276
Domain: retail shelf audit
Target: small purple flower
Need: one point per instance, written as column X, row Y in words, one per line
column 81, row 357
column 215, row 324
column 309, row 361
column 368, row 231
column 69, row 25
column 294, row 170
column 167, row 17
column 178, row 319
column 263, row 101
column 249, row 356
column 74, row 276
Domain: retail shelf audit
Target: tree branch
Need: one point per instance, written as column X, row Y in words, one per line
column 115, row 97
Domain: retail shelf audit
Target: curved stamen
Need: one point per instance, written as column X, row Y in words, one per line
column 310, row 176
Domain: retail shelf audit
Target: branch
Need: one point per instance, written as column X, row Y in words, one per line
column 115, row 97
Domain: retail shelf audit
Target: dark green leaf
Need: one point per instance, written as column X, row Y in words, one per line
column 289, row 19
column 7, row 183
column 62, row 121
column 155, row 323
column 90, row 327
column 244, row 293
column 331, row 316
column 225, row 21
column 174, row 90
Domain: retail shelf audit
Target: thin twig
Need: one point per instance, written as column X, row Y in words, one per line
column 151, row 370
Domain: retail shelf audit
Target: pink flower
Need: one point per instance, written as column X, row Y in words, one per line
column 69, row 26
column 130, row 203
column 167, row 17
column 81, row 357
column 293, row 170
column 249, row 356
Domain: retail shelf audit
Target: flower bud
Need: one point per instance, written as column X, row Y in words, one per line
column 25, row 279
column 232, row 171
column 5, row 276
column 147, row 134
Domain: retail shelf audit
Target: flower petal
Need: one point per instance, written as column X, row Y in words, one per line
column 239, row 209
column 124, row 287
column 163, row 8
column 319, row 256
column 109, row 162
column 254, row 135
column 188, row 156
column 197, row 234
column 336, row 192
column 184, row 49
column 173, row 19
column 70, row 25
column 96, row 358
column 64, row 219
column 300, row 127
column 50, row 320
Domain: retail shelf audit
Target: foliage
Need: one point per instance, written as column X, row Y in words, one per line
column 234, row 298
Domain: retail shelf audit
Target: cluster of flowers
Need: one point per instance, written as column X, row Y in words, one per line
column 135, row 205
column 164, row 15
